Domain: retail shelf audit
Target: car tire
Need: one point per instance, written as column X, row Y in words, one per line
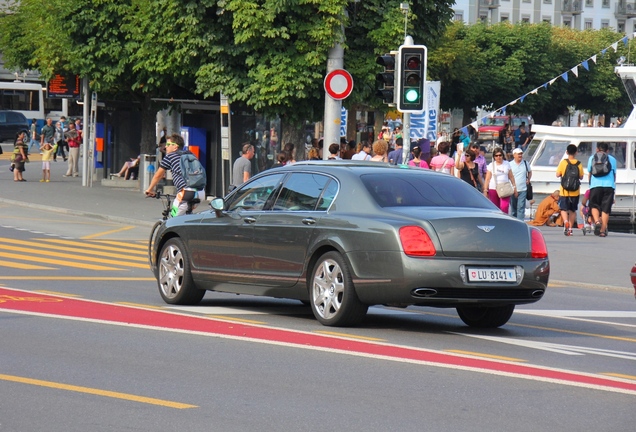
column 333, row 298
column 484, row 316
column 176, row 285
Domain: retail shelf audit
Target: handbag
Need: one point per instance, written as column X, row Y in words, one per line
column 529, row 191
column 504, row 190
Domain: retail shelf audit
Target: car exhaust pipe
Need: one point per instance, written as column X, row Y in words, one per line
column 537, row 293
column 423, row 292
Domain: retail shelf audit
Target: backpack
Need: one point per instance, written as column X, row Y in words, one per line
column 192, row 171
column 571, row 180
column 601, row 165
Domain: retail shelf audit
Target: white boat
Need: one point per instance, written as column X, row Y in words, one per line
column 548, row 146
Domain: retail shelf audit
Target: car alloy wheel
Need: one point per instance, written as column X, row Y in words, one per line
column 333, row 297
column 175, row 280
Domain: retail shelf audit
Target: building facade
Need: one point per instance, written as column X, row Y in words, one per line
column 619, row 15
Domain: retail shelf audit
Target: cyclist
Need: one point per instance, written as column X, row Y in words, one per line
column 186, row 198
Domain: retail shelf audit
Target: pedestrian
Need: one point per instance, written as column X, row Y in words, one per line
column 58, row 139
column 172, row 162
column 425, row 147
column 416, row 161
column 395, row 156
column 62, row 144
column 364, row 154
column 443, row 162
column 601, row 169
column 468, row 169
column 47, row 154
column 19, row 156
column 242, row 168
column 47, row 134
column 313, row 154
column 499, row 173
column 480, row 161
column 570, row 171
column 334, row 149
column 73, row 138
column 33, row 135
column 524, row 138
column 508, row 142
column 548, row 213
column 523, row 173
column 380, row 150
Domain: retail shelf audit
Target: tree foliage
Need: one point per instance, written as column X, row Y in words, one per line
column 491, row 66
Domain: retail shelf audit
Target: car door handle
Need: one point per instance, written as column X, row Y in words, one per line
column 309, row 221
column 249, row 219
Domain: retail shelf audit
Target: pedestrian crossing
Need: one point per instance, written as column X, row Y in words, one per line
column 48, row 253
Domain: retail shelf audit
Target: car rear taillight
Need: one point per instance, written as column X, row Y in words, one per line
column 416, row 242
column 538, row 249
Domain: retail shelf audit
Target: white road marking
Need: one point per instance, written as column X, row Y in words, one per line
column 578, row 313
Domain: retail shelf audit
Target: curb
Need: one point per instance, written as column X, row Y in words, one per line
column 110, row 218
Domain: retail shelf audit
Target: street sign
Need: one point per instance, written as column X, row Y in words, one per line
column 338, row 84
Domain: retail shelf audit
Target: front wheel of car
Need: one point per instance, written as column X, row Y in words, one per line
column 485, row 317
column 332, row 296
column 175, row 279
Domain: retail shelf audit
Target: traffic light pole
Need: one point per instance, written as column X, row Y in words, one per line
column 332, row 107
column 406, row 123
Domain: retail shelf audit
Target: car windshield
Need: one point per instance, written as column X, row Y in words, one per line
column 407, row 189
column 494, row 122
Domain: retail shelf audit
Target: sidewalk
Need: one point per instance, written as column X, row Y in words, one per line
column 592, row 262
column 67, row 195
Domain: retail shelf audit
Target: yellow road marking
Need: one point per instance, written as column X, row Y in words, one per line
column 139, row 305
column 58, row 293
column 227, row 318
column 96, row 244
column 79, row 278
column 37, row 248
column 143, row 246
column 59, row 262
column 347, row 335
column 490, row 356
column 126, row 228
column 23, row 266
column 617, row 375
column 97, row 392
column 68, row 258
column 619, row 338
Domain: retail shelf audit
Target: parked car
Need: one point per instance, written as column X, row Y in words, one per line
column 633, row 276
column 12, row 122
column 344, row 235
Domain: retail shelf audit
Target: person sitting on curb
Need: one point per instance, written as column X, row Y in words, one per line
column 127, row 167
column 548, row 212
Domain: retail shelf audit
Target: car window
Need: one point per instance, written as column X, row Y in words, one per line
column 401, row 190
column 255, row 194
column 552, row 153
column 301, row 192
column 15, row 118
column 328, row 196
column 3, row 117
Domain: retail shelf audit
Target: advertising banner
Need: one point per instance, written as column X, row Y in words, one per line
column 424, row 125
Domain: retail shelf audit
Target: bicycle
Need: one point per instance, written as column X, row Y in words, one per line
column 165, row 215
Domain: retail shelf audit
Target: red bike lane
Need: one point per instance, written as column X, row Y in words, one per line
column 46, row 305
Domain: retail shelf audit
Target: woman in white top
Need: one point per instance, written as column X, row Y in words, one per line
column 499, row 172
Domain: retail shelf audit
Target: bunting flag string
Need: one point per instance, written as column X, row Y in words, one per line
column 575, row 71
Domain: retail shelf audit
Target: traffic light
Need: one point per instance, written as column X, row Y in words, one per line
column 386, row 79
column 411, row 78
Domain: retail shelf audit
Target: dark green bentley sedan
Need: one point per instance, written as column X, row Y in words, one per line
column 345, row 235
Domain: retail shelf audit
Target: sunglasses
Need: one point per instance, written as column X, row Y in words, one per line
column 169, row 143
column 498, row 154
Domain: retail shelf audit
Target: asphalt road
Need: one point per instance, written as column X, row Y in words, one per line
column 72, row 373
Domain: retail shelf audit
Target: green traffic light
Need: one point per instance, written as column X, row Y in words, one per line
column 412, row 95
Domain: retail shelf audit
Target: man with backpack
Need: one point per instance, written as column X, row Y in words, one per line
column 188, row 176
column 571, row 173
column 602, row 177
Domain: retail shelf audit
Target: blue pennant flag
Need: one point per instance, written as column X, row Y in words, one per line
column 603, row 51
column 545, row 86
column 464, row 130
column 522, row 98
column 565, row 76
column 503, row 111
column 585, row 65
column 624, row 40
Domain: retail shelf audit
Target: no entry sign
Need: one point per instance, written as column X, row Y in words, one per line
column 338, row 84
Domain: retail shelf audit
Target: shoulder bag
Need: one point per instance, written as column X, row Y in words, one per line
column 529, row 192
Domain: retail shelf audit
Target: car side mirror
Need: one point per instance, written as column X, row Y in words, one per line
column 217, row 205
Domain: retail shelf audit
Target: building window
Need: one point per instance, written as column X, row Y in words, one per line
column 606, row 3
column 589, row 3
column 567, row 23
column 621, row 27
column 527, row 1
column 504, row 18
column 547, row 1
column 459, row 16
column 546, row 19
column 483, row 19
column 604, row 24
column 588, row 24
column 525, row 18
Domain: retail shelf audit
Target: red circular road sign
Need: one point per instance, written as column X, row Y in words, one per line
column 338, row 84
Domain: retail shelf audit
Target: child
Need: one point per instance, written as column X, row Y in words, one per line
column 47, row 154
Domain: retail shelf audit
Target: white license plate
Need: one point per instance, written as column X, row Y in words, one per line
column 491, row 275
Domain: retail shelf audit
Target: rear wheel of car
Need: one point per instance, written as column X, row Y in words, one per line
column 333, row 298
column 175, row 280
column 485, row 317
